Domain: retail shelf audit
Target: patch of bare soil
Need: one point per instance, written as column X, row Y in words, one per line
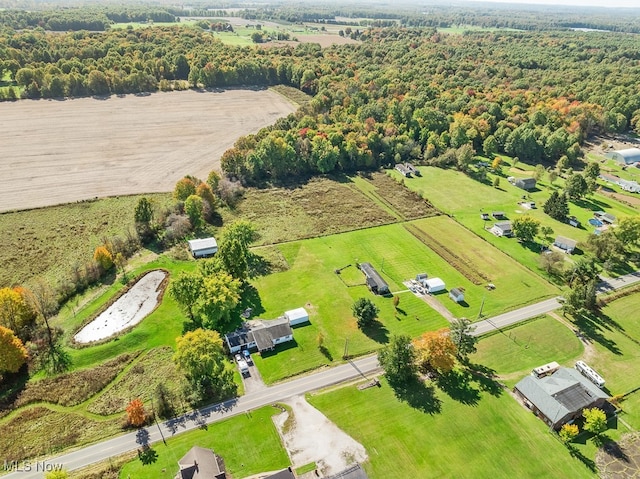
column 64, row 151
column 620, row 460
column 603, row 144
column 309, row 437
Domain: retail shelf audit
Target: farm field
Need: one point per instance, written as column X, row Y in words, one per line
column 478, row 435
column 465, row 198
column 65, row 151
column 310, row 281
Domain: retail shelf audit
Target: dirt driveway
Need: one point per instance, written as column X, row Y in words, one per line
column 60, row 151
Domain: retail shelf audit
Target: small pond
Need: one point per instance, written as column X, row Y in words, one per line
column 127, row 311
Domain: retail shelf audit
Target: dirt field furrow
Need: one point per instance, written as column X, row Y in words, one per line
column 55, row 151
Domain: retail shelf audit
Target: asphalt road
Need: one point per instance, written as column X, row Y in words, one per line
column 132, row 441
column 345, row 372
column 543, row 307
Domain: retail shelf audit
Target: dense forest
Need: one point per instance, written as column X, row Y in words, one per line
column 401, row 94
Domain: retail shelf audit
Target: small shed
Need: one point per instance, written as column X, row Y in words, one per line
column 502, row 229
column 434, row 285
column 608, row 218
column 484, row 216
column 498, row 214
column 565, row 244
column 457, row 294
column 626, row 157
column 525, row 183
column 204, row 247
column 297, row 316
column 573, row 221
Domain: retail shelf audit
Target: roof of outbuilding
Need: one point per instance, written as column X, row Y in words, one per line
column 202, row 243
column 563, row 241
column 629, row 154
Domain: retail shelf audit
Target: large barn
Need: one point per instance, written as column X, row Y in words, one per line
column 626, row 157
column 374, row 280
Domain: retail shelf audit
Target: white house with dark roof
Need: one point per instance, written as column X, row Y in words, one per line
column 565, row 244
column 502, row 228
column 559, row 397
column 259, row 334
column 204, row 247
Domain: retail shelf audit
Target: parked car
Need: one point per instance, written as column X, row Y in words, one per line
column 247, row 355
column 238, row 357
column 243, row 366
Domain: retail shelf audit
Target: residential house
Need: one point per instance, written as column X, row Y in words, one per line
column 354, row 471
column 201, row 463
column 625, row 157
column 403, row 170
column 559, row 397
column 565, row 244
column 525, row 183
column 259, row 334
column 203, row 248
column 374, row 281
column 502, row 229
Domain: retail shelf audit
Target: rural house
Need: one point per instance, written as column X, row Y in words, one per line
column 203, row 248
column 559, row 397
column 502, row 229
column 626, row 185
column 403, row 170
column 374, row 281
column 259, row 334
column 525, row 183
column 201, row 463
column 605, row 217
column 625, row 157
column 565, row 244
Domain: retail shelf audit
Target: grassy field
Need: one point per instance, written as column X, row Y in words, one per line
column 249, row 444
column 513, row 353
column 465, row 198
column 311, row 281
column 478, row 435
column 61, row 236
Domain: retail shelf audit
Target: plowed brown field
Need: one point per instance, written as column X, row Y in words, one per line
column 55, row 152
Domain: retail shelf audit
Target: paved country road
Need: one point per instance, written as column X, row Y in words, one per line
column 543, row 307
column 128, row 442
column 345, row 372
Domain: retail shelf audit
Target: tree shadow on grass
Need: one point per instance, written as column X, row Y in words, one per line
column 589, row 463
column 325, row 352
column 147, row 455
column 458, row 385
column 418, row 395
column 484, row 376
column 377, row 331
column 592, row 326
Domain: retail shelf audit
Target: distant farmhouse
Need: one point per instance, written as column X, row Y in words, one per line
column 203, row 248
column 559, row 397
column 625, row 157
column 502, row 229
column 565, row 244
column 525, row 183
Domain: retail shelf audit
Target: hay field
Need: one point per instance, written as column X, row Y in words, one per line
column 60, row 151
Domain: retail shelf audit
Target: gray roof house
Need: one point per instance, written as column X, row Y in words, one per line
column 260, row 334
column 352, row 472
column 201, row 463
column 560, row 397
column 502, row 229
column 374, row 280
column 525, row 183
column 565, row 244
column 626, row 157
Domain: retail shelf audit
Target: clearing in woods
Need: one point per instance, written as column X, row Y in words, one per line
column 65, row 151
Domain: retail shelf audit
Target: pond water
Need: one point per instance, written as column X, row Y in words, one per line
column 128, row 310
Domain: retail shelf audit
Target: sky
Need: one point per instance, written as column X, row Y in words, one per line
column 577, row 3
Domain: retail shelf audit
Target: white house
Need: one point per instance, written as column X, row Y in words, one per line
column 204, row 247
column 434, row 285
column 565, row 244
column 259, row 334
column 297, row 316
column 502, row 229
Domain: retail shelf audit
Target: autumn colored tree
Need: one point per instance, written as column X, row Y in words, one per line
column 184, row 188
column 595, row 420
column 12, row 352
column 136, row 415
column 568, row 432
column 103, row 257
column 495, row 164
column 436, row 351
column 525, row 227
column 15, row 311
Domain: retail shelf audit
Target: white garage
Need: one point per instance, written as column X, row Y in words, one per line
column 297, row 316
column 204, row 247
column 434, row 285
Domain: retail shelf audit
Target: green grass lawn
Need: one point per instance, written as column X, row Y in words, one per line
column 492, row 436
column 514, row 352
column 249, row 444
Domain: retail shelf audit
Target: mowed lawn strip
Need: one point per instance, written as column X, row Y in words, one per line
column 494, row 438
column 249, row 444
column 524, row 347
column 515, row 284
